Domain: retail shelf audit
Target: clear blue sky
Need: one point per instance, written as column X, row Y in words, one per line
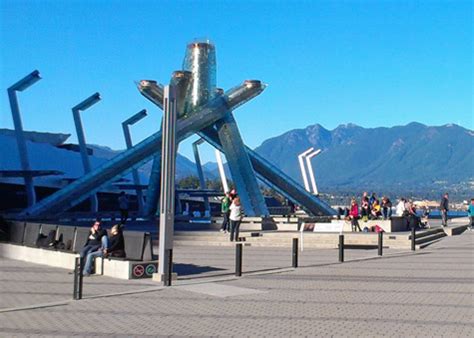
column 372, row 63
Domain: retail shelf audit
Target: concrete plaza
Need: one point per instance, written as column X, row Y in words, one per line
column 425, row 293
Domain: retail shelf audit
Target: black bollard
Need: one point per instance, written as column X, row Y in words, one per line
column 78, row 265
column 413, row 238
column 341, row 248
column 380, row 243
column 170, row 268
column 238, row 259
column 81, row 269
column 295, row 252
column 76, row 279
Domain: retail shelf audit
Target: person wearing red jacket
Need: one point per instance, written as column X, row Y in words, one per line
column 354, row 215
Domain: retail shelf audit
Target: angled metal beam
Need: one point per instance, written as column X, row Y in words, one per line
column 76, row 113
column 269, row 173
column 277, row 179
column 202, row 182
column 220, row 166
column 80, row 189
column 20, row 86
column 128, row 141
column 240, row 167
column 238, row 161
column 182, row 81
column 154, row 93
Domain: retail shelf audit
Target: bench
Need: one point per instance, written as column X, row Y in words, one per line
column 139, row 263
column 32, row 231
column 66, row 235
column 16, row 232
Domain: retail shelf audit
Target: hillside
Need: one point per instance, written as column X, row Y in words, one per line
column 397, row 158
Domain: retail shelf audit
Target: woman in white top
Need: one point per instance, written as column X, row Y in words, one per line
column 235, row 218
column 400, row 209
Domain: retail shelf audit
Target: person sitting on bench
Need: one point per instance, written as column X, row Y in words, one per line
column 116, row 243
column 113, row 246
column 94, row 239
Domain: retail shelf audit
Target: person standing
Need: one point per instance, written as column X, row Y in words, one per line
column 444, row 207
column 470, row 211
column 225, row 210
column 354, row 215
column 235, row 218
column 123, row 207
column 400, row 208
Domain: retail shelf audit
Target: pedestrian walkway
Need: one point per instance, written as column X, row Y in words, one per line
column 426, row 293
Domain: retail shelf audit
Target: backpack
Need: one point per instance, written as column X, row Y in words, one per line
column 378, row 229
column 47, row 241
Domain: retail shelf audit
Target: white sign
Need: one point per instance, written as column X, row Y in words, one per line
column 335, row 226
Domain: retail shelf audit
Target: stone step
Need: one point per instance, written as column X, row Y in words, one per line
column 430, row 238
column 310, row 239
column 427, row 232
column 455, row 229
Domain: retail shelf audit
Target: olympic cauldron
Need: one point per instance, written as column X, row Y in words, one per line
column 205, row 110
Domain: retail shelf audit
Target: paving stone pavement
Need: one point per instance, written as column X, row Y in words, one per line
column 428, row 293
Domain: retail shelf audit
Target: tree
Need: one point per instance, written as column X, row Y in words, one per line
column 189, row 182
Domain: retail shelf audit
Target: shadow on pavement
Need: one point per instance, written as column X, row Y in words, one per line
column 191, row 269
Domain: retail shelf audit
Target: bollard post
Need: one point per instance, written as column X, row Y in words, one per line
column 81, row 268
column 295, row 252
column 238, row 259
column 170, row 268
column 76, row 278
column 341, row 248
column 77, row 293
column 380, row 243
column 413, row 238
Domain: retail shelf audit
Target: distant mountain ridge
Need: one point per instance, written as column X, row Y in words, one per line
column 353, row 158
column 374, row 158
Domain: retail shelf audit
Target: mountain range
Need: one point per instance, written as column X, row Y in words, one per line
column 352, row 158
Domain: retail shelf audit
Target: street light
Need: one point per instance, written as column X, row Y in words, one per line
column 128, row 141
column 20, row 86
column 87, row 103
column 310, row 170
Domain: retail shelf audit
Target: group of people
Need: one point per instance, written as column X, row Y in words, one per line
column 370, row 208
column 407, row 209
column 232, row 213
column 101, row 244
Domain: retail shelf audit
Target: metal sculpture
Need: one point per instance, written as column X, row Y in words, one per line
column 266, row 172
column 198, row 89
column 203, row 109
column 118, row 166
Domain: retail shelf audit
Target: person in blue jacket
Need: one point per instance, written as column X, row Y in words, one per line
column 470, row 211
